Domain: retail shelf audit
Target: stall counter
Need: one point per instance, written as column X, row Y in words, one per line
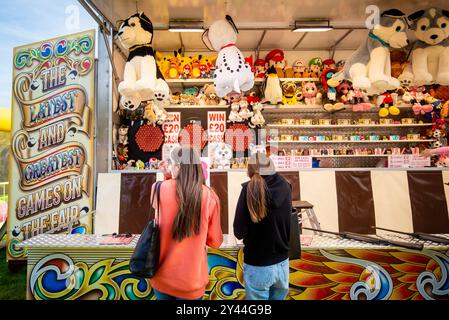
column 69, row 267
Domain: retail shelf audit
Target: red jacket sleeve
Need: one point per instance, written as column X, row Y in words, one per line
column 214, row 233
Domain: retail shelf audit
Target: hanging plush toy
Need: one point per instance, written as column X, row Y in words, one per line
column 142, row 78
column 369, row 66
column 232, row 73
column 430, row 55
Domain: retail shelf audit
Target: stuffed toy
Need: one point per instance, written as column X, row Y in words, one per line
column 244, row 112
column 257, row 120
column 234, row 100
column 249, row 61
column 272, row 90
column 122, row 153
column 315, row 67
column 359, row 99
column 387, row 105
column 149, row 114
column 260, row 148
column 443, row 161
column 310, row 93
column 300, row 69
column 253, row 97
column 207, row 63
column 260, row 66
column 275, row 58
column 211, row 95
column 398, row 62
column 289, row 93
column 142, row 77
column 344, row 92
column 329, row 63
column 430, row 54
column 330, row 85
column 196, row 72
column 221, row 156
column 173, row 71
column 340, row 65
column 369, row 66
column 163, row 63
column 232, row 73
column 123, row 135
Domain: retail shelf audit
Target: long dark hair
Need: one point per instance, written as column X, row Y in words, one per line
column 257, row 193
column 189, row 191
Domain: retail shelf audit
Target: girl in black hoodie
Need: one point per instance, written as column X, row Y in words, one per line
column 262, row 220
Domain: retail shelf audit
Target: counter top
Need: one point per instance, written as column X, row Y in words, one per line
column 62, row 241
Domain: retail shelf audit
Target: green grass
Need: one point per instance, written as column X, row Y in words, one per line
column 12, row 285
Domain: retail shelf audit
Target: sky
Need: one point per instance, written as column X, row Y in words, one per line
column 27, row 21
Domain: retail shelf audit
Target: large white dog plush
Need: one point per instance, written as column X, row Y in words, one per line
column 142, row 79
column 232, row 73
column 369, row 67
column 430, row 55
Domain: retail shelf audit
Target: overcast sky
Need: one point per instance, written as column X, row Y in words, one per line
column 28, row 21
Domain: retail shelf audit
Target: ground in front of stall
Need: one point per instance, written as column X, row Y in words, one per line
column 12, row 285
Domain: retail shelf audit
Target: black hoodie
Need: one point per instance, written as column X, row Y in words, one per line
column 266, row 242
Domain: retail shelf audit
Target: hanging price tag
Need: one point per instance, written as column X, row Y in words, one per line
column 216, row 126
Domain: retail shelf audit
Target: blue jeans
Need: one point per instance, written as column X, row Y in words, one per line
column 266, row 283
column 163, row 296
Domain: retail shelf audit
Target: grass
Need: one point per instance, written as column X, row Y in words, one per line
column 12, row 285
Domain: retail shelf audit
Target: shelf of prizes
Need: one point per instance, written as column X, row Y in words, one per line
column 346, row 127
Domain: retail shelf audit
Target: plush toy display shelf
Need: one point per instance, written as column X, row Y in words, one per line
column 182, row 106
column 336, row 126
column 319, row 109
column 351, row 142
column 201, row 82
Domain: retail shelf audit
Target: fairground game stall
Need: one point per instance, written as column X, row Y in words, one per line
column 344, row 96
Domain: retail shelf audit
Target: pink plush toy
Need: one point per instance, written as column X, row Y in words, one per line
column 309, row 92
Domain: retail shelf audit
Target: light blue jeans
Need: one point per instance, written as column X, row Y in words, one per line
column 266, row 283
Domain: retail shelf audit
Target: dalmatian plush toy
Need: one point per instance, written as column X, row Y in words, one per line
column 143, row 80
column 430, row 55
column 369, row 67
column 232, row 72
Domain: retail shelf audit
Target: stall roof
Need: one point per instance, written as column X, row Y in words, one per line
column 253, row 17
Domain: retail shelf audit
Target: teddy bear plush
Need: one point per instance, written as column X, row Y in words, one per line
column 369, row 66
column 232, row 73
column 142, row 77
column 211, row 95
column 430, row 55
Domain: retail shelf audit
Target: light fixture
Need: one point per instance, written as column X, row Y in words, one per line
column 185, row 26
column 312, row 25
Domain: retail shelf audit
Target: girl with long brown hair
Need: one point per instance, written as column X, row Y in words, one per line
column 189, row 220
column 262, row 220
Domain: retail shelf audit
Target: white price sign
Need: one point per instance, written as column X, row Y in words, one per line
column 171, row 133
column 408, row 161
column 216, row 126
column 171, row 128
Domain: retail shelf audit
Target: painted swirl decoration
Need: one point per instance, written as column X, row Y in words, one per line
column 62, row 48
column 339, row 274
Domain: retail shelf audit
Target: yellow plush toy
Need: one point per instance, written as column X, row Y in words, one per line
column 289, row 93
column 149, row 113
column 163, row 62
